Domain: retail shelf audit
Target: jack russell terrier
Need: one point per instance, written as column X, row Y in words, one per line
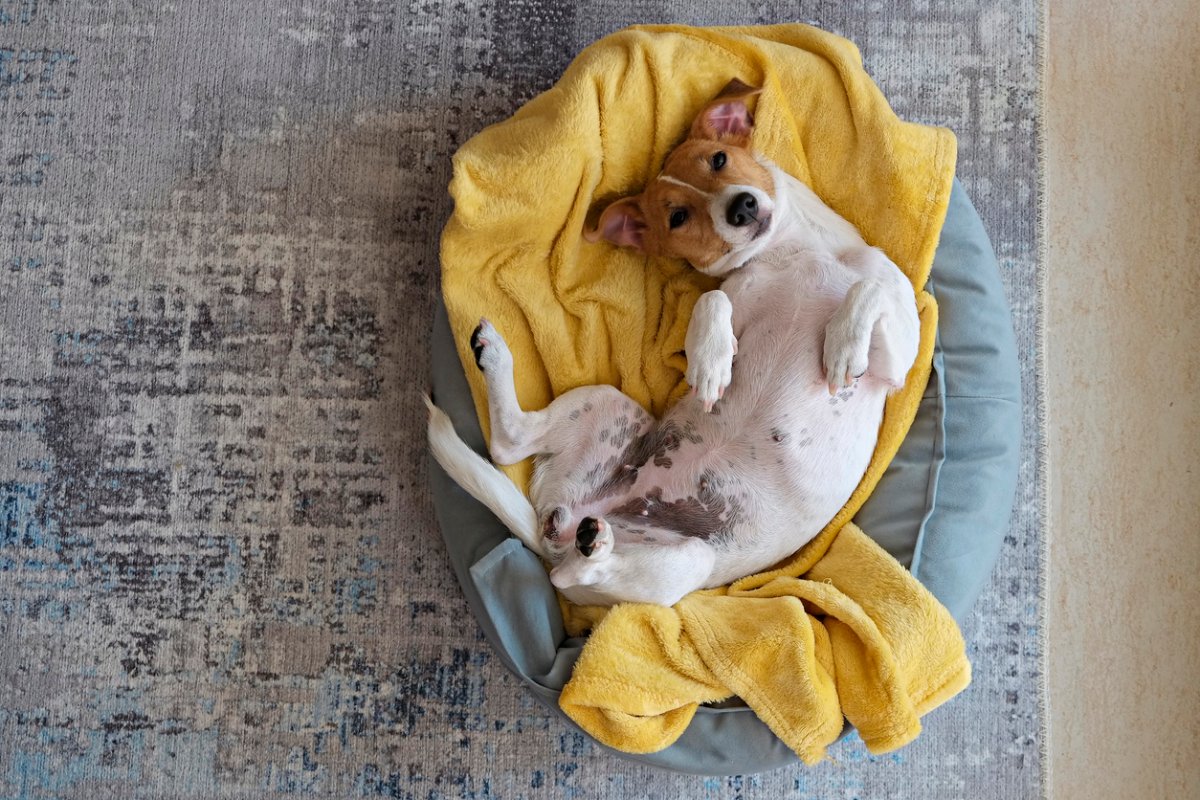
column 748, row 468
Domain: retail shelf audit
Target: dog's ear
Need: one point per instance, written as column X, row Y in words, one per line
column 726, row 118
column 622, row 223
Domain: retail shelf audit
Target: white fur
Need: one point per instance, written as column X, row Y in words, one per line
column 743, row 248
column 710, row 347
column 481, row 480
column 748, row 470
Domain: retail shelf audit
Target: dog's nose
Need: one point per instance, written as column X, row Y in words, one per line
column 742, row 211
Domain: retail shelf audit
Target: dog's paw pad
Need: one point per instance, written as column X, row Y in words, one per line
column 488, row 346
column 593, row 537
column 477, row 345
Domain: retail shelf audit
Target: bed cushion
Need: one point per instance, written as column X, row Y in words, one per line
column 941, row 508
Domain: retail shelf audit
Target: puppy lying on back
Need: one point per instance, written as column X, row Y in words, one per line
column 751, row 465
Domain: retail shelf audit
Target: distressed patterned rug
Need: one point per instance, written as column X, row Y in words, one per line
column 219, row 573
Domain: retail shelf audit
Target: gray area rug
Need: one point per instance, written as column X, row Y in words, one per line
column 219, row 571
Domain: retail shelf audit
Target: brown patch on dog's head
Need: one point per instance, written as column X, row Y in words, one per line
column 712, row 199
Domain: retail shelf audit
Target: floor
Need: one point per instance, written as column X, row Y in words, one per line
column 1122, row 112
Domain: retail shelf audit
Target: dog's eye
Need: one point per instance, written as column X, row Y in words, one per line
column 678, row 217
column 718, row 161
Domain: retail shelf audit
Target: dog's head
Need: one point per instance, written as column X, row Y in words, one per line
column 713, row 202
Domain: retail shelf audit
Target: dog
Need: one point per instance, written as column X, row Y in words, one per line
column 754, row 462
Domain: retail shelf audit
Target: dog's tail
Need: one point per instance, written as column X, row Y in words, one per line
column 481, row 480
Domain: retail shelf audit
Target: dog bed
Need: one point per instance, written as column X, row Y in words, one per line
column 942, row 506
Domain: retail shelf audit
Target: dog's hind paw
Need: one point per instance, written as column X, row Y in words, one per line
column 594, row 537
column 489, row 346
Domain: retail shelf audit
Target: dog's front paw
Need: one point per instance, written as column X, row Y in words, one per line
column 847, row 348
column 491, row 351
column 710, row 363
column 710, row 369
column 710, row 347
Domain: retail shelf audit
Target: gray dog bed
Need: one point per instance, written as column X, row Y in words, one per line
column 942, row 507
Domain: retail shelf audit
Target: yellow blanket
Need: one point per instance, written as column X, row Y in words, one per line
column 839, row 630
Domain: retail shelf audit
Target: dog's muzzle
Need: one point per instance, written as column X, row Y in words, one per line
column 742, row 210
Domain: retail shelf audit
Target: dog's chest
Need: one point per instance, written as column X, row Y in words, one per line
column 782, row 303
column 778, row 431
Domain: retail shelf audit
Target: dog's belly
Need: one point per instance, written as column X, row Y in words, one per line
column 755, row 479
column 789, row 452
column 787, row 465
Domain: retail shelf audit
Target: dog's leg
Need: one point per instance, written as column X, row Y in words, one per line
column 848, row 335
column 600, row 571
column 895, row 338
column 710, row 346
column 514, row 433
column 876, row 328
column 558, row 428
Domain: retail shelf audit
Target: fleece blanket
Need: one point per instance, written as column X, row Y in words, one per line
column 841, row 630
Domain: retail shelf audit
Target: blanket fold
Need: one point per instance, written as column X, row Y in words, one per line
column 841, row 630
column 802, row 652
